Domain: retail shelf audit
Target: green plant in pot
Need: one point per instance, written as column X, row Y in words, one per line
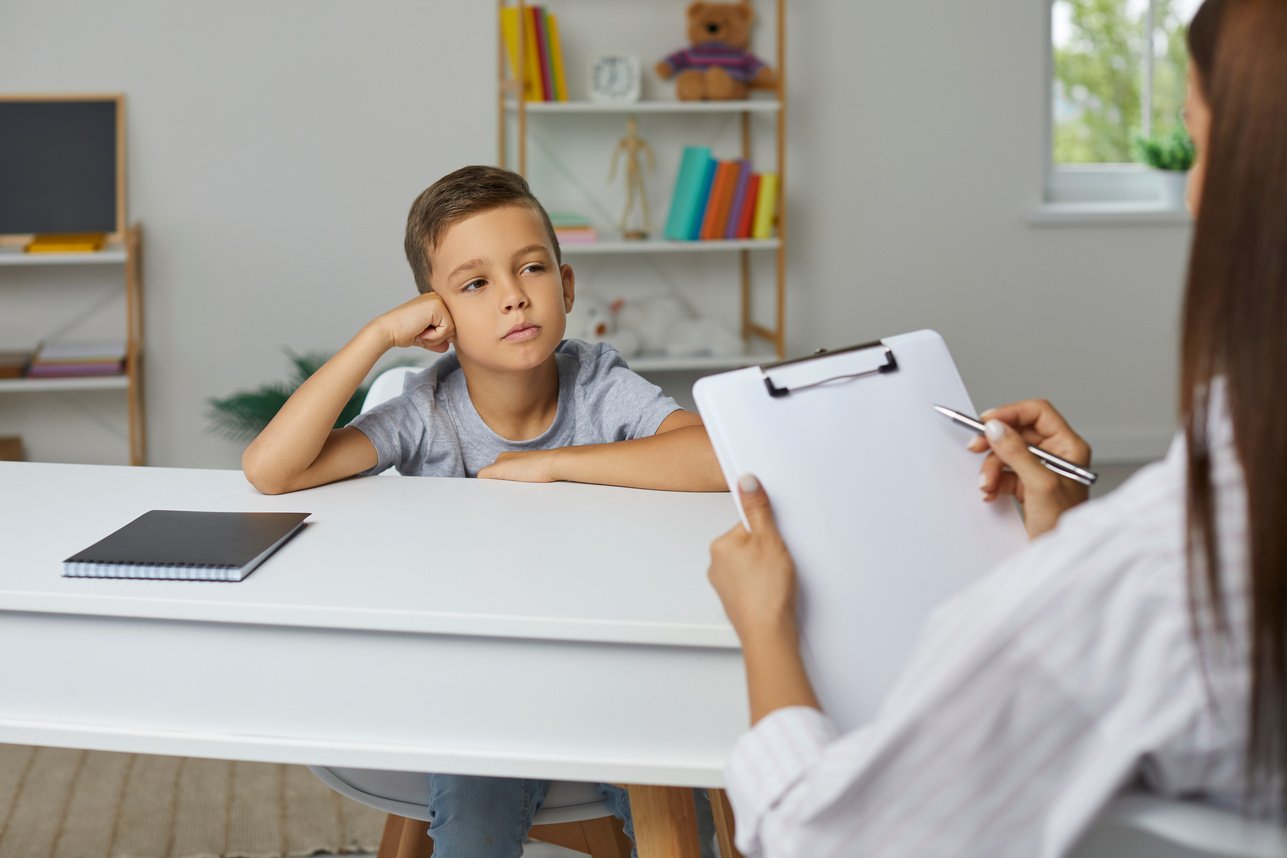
column 1171, row 154
column 240, row 416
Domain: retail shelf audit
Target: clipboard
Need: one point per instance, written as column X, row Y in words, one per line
column 874, row 493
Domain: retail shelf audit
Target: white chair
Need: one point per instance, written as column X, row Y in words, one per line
column 573, row 814
column 1137, row 825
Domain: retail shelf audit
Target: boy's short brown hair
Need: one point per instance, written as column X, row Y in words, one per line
column 458, row 195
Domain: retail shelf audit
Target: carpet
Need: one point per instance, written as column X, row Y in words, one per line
column 60, row 803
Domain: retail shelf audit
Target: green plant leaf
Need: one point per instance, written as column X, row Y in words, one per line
column 242, row 415
column 1170, row 150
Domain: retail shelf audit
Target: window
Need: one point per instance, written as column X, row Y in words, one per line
column 1118, row 70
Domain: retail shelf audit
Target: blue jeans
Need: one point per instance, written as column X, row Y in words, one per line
column 477, row 817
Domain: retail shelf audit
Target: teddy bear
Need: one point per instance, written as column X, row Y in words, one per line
column 716, row 65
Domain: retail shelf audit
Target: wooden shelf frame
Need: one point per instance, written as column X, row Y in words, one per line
column 127, row 252
column 509, row 100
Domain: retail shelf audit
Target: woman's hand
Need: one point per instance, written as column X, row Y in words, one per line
column 755, row 578
column 1010, row 469
column 753, row 572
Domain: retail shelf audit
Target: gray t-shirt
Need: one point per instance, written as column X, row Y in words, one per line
column 433, row 430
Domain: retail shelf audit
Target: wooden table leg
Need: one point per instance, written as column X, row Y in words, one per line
column 724, row 831
column 665, row 822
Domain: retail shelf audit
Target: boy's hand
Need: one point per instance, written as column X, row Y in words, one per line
column 534, row 466
column 423, row 321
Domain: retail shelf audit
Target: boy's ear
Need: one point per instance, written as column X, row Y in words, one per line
column 569, row 287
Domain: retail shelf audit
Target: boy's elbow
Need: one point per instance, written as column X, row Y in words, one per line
column 260, row 476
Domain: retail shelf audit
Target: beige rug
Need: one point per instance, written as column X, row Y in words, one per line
column 58, row 803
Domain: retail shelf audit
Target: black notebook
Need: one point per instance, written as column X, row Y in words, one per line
column 186, row 545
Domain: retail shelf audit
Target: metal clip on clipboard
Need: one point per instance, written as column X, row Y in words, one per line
column 890, row 364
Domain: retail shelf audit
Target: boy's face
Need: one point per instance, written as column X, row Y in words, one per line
column 508, row 299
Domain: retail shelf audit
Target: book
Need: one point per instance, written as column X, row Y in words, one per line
column 11, row 448
column 66, row 242
column 13, row 363
column 688, row 199
column 573, row 228
column 766, row 206
column 537, row 16
column 71, row 358
column 512, row 30
column 721, row 197
column 556, row 58
column 747, row 215
column 739, row 199
column 186, row 545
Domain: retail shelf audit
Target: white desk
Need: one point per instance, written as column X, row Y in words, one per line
column 556, row 631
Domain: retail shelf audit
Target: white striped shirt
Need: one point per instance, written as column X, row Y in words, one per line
column 1030, row 700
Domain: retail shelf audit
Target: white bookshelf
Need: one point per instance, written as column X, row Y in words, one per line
column 617, row 108
column 663, row 246
column 66, row 385
column 108, row 256
column 751, row 265
column 124, row 252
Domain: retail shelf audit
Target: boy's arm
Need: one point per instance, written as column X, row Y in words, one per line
column 678, row 457
column 299, row 448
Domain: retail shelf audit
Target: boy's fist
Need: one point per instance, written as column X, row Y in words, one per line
column 423, row 321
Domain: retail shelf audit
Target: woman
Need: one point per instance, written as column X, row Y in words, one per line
column 1143, row 640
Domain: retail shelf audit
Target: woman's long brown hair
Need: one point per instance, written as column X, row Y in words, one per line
column 1235, row 328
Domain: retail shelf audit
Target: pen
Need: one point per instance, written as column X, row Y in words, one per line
column 1062, row 467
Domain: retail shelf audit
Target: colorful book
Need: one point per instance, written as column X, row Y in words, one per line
column 747, row 216
column 687, row 201
column 537, row 14
column 766, row 206
column 510, row 30
column 556, row 56
column 739, row 199
column 573, row 228
column 720, row 198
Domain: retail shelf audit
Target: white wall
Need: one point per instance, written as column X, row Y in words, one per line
column 274, row 149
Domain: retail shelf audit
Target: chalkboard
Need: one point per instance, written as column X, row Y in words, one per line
column 58, row 165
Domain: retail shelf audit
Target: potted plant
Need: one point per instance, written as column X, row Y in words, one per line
column 240, row 416
column 1171, row 154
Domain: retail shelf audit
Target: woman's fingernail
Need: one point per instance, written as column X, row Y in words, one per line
column 995, row 429
column 983, row 482
column 748, row 483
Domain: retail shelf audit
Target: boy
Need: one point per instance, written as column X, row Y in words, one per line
column 513, row 402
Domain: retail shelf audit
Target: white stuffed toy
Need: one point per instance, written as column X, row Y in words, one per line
column 665, row 326
column 594, row 321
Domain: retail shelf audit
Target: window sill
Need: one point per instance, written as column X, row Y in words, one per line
column 1107, row 214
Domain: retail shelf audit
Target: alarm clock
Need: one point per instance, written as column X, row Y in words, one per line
column 615, row 77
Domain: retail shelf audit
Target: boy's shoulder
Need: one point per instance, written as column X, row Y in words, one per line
column 590, row 361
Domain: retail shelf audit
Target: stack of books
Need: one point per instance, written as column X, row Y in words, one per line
column 720, row 199
column 72, row 359
column 13, row 363
column 542, row 73
column 66, row 242
column 572, row 228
